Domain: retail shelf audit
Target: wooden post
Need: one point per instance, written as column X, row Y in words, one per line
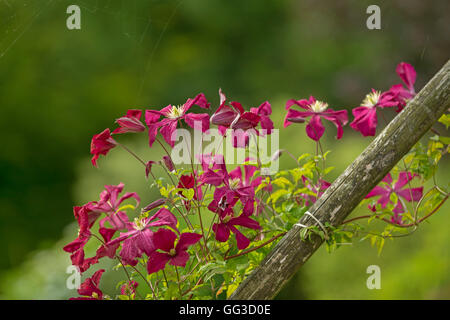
column 350, row 188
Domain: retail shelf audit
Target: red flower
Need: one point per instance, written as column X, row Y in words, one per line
column 139, row 238
column 366, row 115
column 227, row 224
column 401, row 95
column 101, row 144
column 318, row 189
column 89, row 288
column 130, row 123
column 316, row 110
column 173, row 114
column 164, row 240
column 412, row 194
column 233, row 116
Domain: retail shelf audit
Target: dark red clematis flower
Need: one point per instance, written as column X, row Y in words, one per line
column 172, row 114
column 175, row 255
column 89, row 288
column 233, row 189
column 316, row 110
column 85, row 218
column 139, row 238
column 130, row 122
column 366, row 115
column 110, row 202
column 233, row 116
column 401, row 95
column 101, row 144
column 411, row 194
column 228, row 222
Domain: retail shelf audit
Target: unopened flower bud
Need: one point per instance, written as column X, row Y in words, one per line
column 168, row 163
column 154, row 205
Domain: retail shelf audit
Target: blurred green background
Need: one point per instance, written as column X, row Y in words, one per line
column 58, row 87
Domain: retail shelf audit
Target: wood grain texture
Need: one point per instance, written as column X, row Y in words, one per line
column 350, row 188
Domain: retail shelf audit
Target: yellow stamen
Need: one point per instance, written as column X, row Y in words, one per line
column 371, row 99
column 318, row 106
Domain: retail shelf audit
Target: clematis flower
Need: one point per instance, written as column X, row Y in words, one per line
column 401, row 95
column 85, row 217
column 366, row 115
column 233, row 188
column 316, row 110
column 318, row 189
column 139, row 238
column 130, row 122
column 110, row 202
column 411, row 194
column 89, row 288
column 172, row 114
column 129, row 288
column 101, row 144
column 233, row 116
column 228, row 222
column 175, row 255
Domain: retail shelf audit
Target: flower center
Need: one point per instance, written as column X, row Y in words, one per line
column 371, row 99
column 172, row 252
column 234, row 183
column 175, row 112
column 139, row 224
column 318, row 106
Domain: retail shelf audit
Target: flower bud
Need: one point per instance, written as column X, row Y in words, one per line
column 154, row 205
column 168, row 163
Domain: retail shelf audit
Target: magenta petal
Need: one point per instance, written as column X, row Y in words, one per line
column 157, row 261
column 129, row 252
column 246, row 121
column 295, row 114
column 315, row 128
column 165, row 218
column 242, row 241
column 187, row 240
column 236, row 173
column 164, row 239
column 198, row 121
column 152, row 116
column 168, row 132
column 264, row 109
column 403, row 178
column 179, row 259
column 144, row 241
column 365, row 120
column 213, row 178
column 224, row 116
column 387, row 179
column 376, row 191
column 407, row 73
column 398, row 208
column 152, row 132
column 249, row 207
column 267, row 124
column 413, row 194
column 222, row 232
column 245, row 222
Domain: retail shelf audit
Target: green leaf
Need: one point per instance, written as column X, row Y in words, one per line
column 188, row 193
column 445, row 120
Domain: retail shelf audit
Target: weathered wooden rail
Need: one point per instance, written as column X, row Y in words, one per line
column 350, row 188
